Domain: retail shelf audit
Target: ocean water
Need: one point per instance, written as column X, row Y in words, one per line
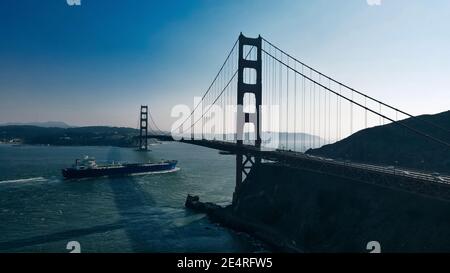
column 41, row 212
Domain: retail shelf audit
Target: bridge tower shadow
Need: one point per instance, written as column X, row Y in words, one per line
column 132, row 202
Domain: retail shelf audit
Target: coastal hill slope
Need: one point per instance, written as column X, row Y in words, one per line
column 394, row 145
column 91, row 135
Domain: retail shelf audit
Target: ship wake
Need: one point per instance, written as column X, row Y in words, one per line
column 24, row 180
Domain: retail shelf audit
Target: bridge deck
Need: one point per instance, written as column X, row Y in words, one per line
column 388, row 176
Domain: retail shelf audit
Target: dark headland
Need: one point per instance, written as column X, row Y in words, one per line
column 71, row 136
column 298, row 210
column 394, row 145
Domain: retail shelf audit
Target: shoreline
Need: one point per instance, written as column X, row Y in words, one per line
column 226, row 218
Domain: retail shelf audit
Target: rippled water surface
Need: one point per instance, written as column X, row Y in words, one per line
column 41, row 212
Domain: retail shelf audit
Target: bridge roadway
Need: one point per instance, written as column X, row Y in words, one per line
column 160, row 137
column 434, row 184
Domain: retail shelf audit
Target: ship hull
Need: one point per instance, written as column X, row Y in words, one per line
column 118, row 170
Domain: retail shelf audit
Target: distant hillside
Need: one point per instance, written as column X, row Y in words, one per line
column 92, row 135
column 393, row 145
column 47, row 124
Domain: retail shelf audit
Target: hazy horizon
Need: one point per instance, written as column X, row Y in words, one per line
column 95, row 64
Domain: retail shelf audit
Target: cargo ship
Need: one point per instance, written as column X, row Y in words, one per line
column 87, row 168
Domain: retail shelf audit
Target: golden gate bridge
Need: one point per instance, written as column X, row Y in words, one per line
column 264, row 105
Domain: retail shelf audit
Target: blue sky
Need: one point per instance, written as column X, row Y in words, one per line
column 95, row 64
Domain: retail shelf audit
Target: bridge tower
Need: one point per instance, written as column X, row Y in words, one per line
column 143, row 131
column 245, row 162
